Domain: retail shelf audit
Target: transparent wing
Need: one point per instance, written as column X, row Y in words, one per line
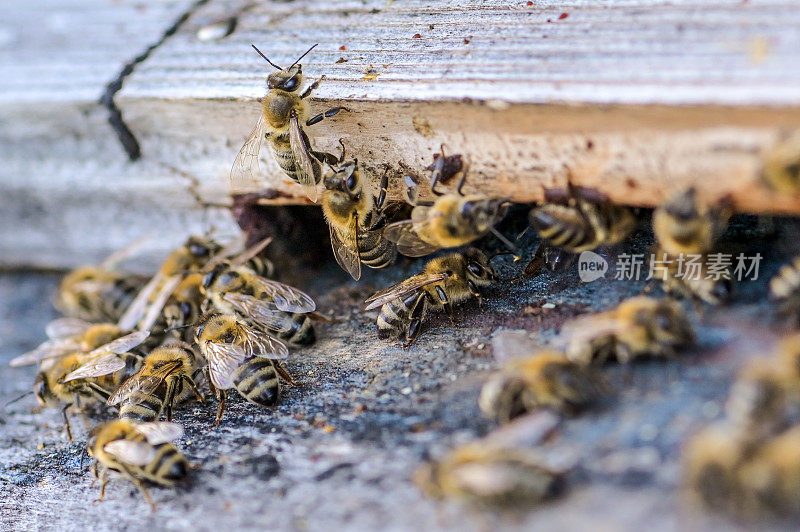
column 264, row 313
column 146, row 384
column 409, row 243
column 158, row 432
column 47, row 350
column 304, row 166
column 265, row 346
column 66, row 327
column 400, row 289
column 286, row 297
column 245, row 171
column 223, row 359
column 157, row 305
column 128, row 251
column 122, row 344
column 586, row 328
column 345, row 249
column 138, row 307
column 97, row 367
column 137, row 453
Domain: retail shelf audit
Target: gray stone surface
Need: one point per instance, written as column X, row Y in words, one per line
column 337, row 452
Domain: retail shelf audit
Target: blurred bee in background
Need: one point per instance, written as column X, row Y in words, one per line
column 283, row 113
column 492, row 475
column 354, row 212
column 452, row 220
column 784, row 289
column 770, row 479
column 710, row 462
column 547, row 379
column 241, row 357
column 183, row 308
column 640, row 326
column 99, row 293
column 781, row 165
column 81, row 367
column 138, row 452
column 167, row 377
column 274, row 307
column 445, row 281
column 444, row 168
column 580, row 219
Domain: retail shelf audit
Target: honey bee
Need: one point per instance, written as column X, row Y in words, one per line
column 138, row 452
column 695, row 285
column 241, row 357
column 445, row 281
column 685, row 226
column 166, row 378
column 99, row 293
column 183, row 308
column 275, row 307
column 581, row 220
column 450, row 221
column 784, row 288
column 354, row 212
column 283, row 113
column 781, row 169
column 548, row 379
column 67, row 373
column 640, row 326
column 492, row 475
column 770, row 479
column 711, row 464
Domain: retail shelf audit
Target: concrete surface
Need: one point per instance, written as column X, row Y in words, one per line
column 337, row 453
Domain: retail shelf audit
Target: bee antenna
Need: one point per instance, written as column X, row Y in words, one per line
column 302, row 56
column 265, row 57
column 11, row 402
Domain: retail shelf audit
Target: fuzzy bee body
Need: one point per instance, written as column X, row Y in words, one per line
column 583, row 226
column 257, row 381
column 139, row 452
column 445, row 281
column 166, row 378
column 97, row 294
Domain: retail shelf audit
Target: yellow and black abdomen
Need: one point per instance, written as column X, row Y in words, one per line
column 376, row 251
column 395, row 316
column 140, row 407
column 257, row 381
column 296, row 328
column 563, row 227
column 168, row 467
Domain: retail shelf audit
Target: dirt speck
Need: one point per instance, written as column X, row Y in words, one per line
column 422, row 126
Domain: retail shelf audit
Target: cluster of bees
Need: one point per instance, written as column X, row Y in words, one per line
column 214, row 316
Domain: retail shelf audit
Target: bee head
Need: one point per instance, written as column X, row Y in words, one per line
column 285, row 79
column 478, row 268
column 41, row 389
column 683, row 206
column 216, row 274
column 345, row 179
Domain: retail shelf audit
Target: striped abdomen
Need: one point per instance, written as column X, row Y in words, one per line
column 282, row 150
column 297, row 329
column 168, row 466
column 257, row 381
column 395, row 316
column 375, row 251
column 563, row 227
column 141, row 407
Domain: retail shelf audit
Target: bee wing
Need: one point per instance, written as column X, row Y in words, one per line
column 47, row 350
column 138, row 307
column 287, row 298
column 122, row 344
column 121, row 254
column 66, row 327
column 223, row 359
column 400, row 289
column 245, row 171
column 252, row 251
column 586, row 328
column 137, row 453
column 304, row 164
column 155, row 308
column 158, row 432
column 146, row 384
column 346, row 249
column 265, row 346
column 265, row 313
column 97, row 367
column 408, row 241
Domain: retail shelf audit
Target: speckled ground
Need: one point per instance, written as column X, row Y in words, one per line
column 338, row 451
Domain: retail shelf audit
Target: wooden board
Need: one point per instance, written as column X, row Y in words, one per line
column 637, row 97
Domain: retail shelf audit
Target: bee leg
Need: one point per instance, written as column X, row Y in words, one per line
column 141, row 487
column 415, row 322
column 67, row 425
column 221, row 408
column 461, row 183
column 475, row 292
column 169, row 398
column 193, row 387
column 284, row 374
column 327, row 114
column 382, row 192
column 448, row 307
column 103, row 482
column 311, row 88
